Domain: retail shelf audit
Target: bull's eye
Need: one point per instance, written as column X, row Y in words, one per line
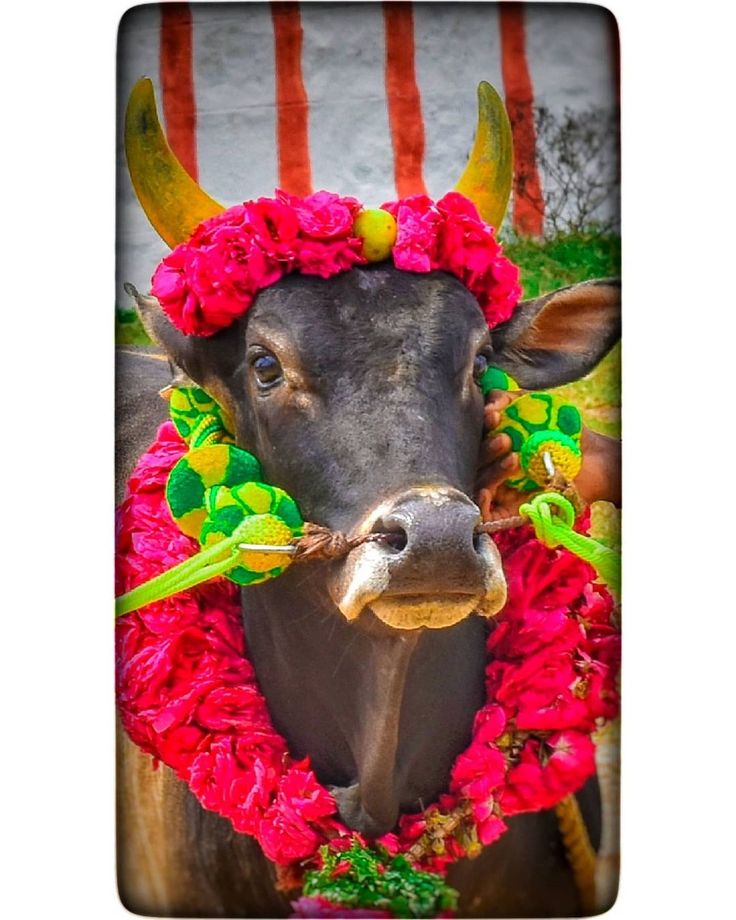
column 267, row 370
column 480, row 366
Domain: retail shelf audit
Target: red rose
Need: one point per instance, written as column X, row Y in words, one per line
column 230, row 707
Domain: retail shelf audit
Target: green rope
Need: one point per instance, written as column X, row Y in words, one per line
column 556, row 530
column 201, row 567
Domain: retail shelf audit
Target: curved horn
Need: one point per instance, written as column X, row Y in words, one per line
column 487, row 177
column 172, row 200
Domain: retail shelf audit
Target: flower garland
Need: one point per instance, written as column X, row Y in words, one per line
column 188, row 695
column 206, row 283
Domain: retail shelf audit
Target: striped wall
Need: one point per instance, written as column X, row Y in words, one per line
column 368, row 99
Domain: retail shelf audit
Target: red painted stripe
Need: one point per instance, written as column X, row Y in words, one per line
column 292, row 125
column 177, row 83
column 528, row 214
column 404, row 102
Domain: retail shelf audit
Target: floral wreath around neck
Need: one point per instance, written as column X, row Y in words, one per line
column 188, row 695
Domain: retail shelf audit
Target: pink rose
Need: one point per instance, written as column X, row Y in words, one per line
column 285, row 838
column 300, row 793
column 489, row 723
column 328, row 259
column 291, row 828
column 572, row 761
column 490, row 829
column 204, row 285
column 180, row 746
column 256, row 795
column 214, row 772
column 415, row 249
column 275, row 230
column 477, row 772
column 323, row 215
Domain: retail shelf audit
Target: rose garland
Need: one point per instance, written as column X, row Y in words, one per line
column 210, row 280
column 189, row 696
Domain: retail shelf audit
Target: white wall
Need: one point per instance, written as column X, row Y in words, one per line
column 457, row 45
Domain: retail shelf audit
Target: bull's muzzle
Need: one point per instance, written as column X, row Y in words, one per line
column 435, row 571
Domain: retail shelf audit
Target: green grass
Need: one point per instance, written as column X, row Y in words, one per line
column 567, row 258
column 128, row 329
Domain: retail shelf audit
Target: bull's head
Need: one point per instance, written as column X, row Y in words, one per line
column 360, row 396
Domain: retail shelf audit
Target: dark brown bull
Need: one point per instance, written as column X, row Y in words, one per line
column 367, row 411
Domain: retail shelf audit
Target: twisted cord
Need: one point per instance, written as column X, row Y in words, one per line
column 320, row 542
column 578, row 850
column 506, row 523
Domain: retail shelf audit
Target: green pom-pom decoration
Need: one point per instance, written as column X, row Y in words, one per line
column 198, row 418
column 495, row 379
column 271, row 518
column 365, row 878
column 537, row 423
column 216, row 487
column 197, row 471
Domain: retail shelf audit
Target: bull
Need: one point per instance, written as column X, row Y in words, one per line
column 358, row 396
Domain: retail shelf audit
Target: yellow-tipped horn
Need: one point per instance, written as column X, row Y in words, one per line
column 488, row 175
column 172, row 200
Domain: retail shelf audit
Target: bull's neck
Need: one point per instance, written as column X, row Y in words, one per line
column 382, row 714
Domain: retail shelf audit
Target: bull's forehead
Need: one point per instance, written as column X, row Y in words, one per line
column 368, row 318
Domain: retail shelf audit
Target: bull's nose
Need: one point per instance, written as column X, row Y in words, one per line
column 432, row 572
column 433, row 540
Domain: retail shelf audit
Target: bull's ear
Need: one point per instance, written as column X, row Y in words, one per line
column 181, row 349
column 561, row 336
column 211, row 362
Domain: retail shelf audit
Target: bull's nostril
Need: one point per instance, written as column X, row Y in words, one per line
column 477, row 539
column 394, row 535
column 396, row 539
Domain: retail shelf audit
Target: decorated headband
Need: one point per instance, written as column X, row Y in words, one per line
column 222, row 258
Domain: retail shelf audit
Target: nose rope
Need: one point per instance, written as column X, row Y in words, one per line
column 316, row 543
column 320, row 542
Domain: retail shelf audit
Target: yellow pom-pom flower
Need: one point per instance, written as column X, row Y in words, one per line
column 378, row 231
column 269, row 530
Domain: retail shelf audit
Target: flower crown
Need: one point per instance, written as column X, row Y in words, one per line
column 210, row 280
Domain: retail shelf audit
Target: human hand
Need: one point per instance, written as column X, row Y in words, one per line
column 598, row 480
column 497, row 463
